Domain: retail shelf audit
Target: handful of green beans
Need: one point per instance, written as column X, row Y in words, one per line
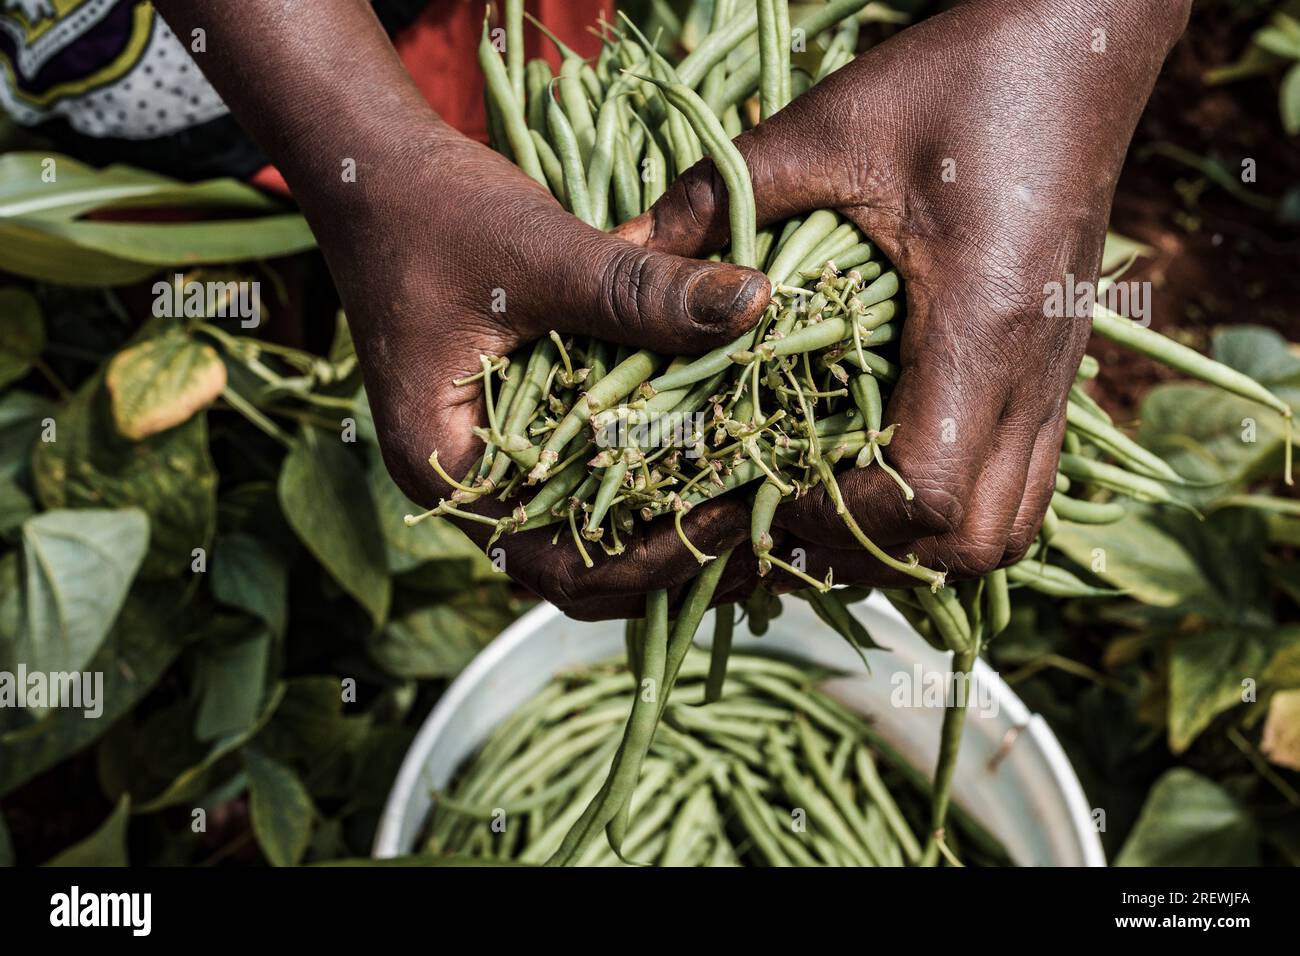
column 779, row 411
column 780, row 774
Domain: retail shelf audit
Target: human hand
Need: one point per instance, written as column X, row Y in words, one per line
column 457, row 254
column 979, row 150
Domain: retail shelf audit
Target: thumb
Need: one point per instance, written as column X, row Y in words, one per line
column 621, row 292
column 792, row 173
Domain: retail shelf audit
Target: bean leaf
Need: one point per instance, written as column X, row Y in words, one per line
column 438, row 640
column 169, row 475
column 1189, row 820
column 105, row 847
column 247, row 574
column 22, row 333
column 280, row 807
column 1139, row 557
column 21, row 415
column 44, row 232
column 76, row 571
column 160, row 382
column 431, row 539
column 325, row 498
column 1206, row 670
column 231, row 679
column 149, row 634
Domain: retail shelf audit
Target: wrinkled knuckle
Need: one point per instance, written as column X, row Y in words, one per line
column 937, row 507
column 700, row 189
column 555, row 582
column 625, row 285
column 1018, row 545
column 975, row 558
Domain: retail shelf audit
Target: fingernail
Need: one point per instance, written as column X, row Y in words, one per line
column 715, row 297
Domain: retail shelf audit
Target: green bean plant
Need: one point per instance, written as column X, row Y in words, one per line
column 784, row 408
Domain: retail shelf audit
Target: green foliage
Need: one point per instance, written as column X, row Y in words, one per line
column 188, row 514
column 1190, row 821
column 1273, row 47
column 1184, row 672
column 44, row 232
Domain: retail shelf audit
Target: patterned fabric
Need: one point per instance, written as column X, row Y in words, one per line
column 108, row 81
column 109, row 68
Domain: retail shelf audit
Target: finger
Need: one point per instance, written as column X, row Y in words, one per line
column 946, row 421
column 586, row 282
column 655, row 558
column 737, row 582
column 1040, row 483
column 974, row 548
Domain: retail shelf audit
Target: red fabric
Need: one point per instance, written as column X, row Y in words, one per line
column 440, row 51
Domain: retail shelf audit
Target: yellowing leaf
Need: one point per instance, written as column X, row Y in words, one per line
column 1280, row 742
column 161, row 382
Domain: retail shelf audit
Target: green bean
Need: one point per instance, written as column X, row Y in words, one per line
column 1056, row 582
column 600, row 171
column 611, row 483
column 865, row 390
column 514, row 22
column 1193, row 363
column 744, row 80
column 880, row 797
column 813, row 747
column 571, row 159
column 886, row 287
column 748, row 811
column 537, row 81
column 716, row 78
column 954, row 719
column 698, row 598
column 1117, row 479
column 509, row 110
column 948, row 616
column 828, row 332
column 617, row 790
column 627, row 188
column 1087, row 512
column 821, row 811
column 1119, row 446
column 694, row 817
column 617, row 385
column 551, row 167
column 724, row 622
column 796, row 247
column 730, row 165
column 573, row 98
column 774, row 69
column 999, row 602
column 1079, row 397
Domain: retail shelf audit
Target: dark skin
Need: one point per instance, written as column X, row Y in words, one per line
column 1035, row 123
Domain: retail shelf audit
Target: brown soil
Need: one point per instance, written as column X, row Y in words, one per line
column 1218, row 260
